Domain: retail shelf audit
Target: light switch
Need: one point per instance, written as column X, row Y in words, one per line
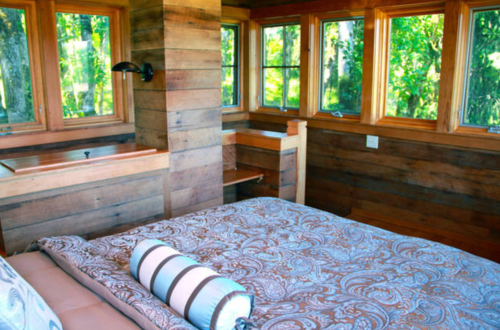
column 372, row 141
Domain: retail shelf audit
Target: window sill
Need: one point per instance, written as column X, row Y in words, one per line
column 423, row 124
column 344, row 118
column 17, row 140
column 291, row 112
column 459, row 138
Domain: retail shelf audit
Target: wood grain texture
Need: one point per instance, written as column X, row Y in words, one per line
column 45, row 161
column 81, row 209
column 14, row 185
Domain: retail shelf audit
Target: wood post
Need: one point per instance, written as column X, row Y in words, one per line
column 299, row 127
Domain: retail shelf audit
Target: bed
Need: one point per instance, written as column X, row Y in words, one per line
column 308, row 269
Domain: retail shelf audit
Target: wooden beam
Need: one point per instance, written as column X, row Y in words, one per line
column 299, row 128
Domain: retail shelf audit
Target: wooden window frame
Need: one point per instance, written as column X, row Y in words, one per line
column 239, row 59
column 383, row 17
column 116, row 54
column 466, row 10
column 241, row 17
column 316, row 32
column 32, row 36
column 258, row 30
column 52, row 127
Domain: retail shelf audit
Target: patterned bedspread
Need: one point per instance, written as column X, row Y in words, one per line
column 309, row 269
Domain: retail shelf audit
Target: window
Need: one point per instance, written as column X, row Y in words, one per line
column 281, row 66
column 17, row 90
column 341, row 65
column 230, row 65
column 85, row 65
column 416, row 44
column 79, row 44
column 482, row 87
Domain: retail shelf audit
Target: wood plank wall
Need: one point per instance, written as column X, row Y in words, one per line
column 180, row 109
column 89, row 210
column 448, row 194
column 279, row 168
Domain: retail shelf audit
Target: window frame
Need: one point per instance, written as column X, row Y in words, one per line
column 51, row 127
column 260, row 25
column 321, row 19
column 382, row 51
column 472, row 10
column 34, row 53
column 239, row 61
column 116, row 55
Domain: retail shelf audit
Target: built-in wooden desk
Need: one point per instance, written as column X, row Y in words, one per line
column 66, row 193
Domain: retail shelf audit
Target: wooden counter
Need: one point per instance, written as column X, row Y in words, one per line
column 67, row 194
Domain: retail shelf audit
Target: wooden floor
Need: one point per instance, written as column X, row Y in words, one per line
column 479, row 248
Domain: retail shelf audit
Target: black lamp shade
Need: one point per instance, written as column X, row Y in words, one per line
column 126, row 67
column 146, row 70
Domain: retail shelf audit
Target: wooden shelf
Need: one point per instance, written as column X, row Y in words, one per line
column 231, row 177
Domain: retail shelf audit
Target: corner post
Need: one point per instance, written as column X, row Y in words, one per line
column 299, row 127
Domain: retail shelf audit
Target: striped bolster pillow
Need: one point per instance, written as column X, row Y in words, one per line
column 203, row 297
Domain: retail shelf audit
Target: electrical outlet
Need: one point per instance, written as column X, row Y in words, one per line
column 372, row 141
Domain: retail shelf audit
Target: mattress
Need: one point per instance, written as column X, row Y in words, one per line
column 77, row 307
column 308, row 269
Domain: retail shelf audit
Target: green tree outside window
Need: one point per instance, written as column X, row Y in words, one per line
column 482, row 99
column 85, row 65
column 416, row 43
column 16, row 94
column 281, row 66
column 230, row 65
column 342, row 65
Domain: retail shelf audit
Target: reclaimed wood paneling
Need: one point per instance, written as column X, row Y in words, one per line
column 279, row 168
column 88, row 209
column 180, row 108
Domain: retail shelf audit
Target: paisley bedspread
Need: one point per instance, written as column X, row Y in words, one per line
column 309, row 269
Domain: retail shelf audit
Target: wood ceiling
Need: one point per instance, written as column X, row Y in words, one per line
column 258, row 3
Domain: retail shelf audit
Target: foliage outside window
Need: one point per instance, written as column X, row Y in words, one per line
column 230, row 67
column 416, row 44
column 85, row 65
column 482, row 99
column 16, row 94
column 281, row 66
column 342, row 65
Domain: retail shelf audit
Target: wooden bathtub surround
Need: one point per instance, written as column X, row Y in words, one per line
column 108, row 194
column 265, row 163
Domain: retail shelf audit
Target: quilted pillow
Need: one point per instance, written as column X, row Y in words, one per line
column 21, row 307
column 200, row 295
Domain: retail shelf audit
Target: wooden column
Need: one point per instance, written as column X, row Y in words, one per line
column 299, row 127
column 179, row 109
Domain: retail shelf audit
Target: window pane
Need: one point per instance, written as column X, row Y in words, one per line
column 292, row 87
column 292, row 51
column 228, row 38
column 342, row 60
column 273, row 87
column 483, row 90
column 415, row 64
column 228, row 86
column 16, row 96
column 273, row 46
column 85, row 65
column 229, row 49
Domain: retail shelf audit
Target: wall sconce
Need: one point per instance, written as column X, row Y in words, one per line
column 146, row 70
